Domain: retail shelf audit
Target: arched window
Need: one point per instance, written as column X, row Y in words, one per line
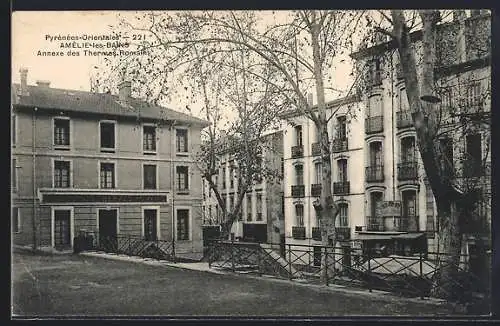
column 299, row 214
column 343, row 215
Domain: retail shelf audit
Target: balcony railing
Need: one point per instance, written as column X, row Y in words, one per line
column 375, row 173
column 407, row 171
column 298, row 191
column 374, row 124
column 341, row 188
column 400, row 224
column 259, row 216
column 316, row 190
column 297, row 151
column 316, row 149
column 343, row 233
column 316, row 233
column 299, row 232
column 404, row 119
column 339, row 145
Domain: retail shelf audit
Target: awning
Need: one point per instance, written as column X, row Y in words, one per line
column 408, row 236
column 381, row 236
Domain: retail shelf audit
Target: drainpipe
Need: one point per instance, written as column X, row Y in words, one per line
column 172, row 130
column 33, row 149
column 392, row 131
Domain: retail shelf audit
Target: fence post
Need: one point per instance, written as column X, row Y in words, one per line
column 232, row 255
column 209, row 252
column 369, row 272
column 289, row 262
column 421, row 276
column 157, row 250
column 259, row 260
column 129, row 245
column 173, row 250
column 326, row 265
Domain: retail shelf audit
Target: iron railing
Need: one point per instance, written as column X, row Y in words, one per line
column 316, row 149
column 375, row 173
column 341, row 188
column 316, row 233
column 297, row 151
column 404, row 119
column 418, row 275
column 340, row 145
column 129, row 245
column 316, row 190
column 407, row 171
column 400, row 224
column 374, row 223
column 298, row 191
column 374, row 124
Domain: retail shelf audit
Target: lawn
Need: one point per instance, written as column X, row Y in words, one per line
column 46, row 285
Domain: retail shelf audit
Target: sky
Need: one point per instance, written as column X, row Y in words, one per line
column 35, row 31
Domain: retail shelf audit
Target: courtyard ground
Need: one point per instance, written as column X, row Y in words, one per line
column 75, row 285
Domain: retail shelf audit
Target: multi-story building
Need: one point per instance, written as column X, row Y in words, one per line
column 398, row 197
column 261, row 217
column 303, row 172
column 110, row 164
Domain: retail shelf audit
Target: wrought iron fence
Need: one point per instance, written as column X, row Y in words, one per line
column 127, row 245
column 416, row 276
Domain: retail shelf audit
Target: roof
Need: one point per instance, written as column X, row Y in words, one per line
column 331, row 104
column 98, row 103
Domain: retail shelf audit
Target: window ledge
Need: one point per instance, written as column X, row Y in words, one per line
column 108, row 150
column 150, row 152
column 182, row 153
column 62, row 147
column 182, row 192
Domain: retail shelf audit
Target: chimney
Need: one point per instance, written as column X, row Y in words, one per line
column 310, row 99
column 124, row 90
column 24, row 81
column 43, row 83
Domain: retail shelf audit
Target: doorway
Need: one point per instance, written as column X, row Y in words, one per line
column 108, row 230
column 62, row 229
column 150, row 228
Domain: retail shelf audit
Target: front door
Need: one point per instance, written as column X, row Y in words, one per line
column 107, row 230
column 62, row 229
column 150, row 232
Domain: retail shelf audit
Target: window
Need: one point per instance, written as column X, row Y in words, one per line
column 149, row 138
column 224, row 200
column 299, row 213
column 14, row 175
column 473, row 155
column 472, row 95
column 446, row 157
column 150, row 224
column 343, row 217
column 107, row 130
column 403, row 100
column 299, row 171
column 342, row 128
column 62, row 174
column 107, row 175
column 298, row 135
column 259, row 207
column 231, row 202
column 318, row 168
column 182, row 224
column 342, row 167
column 249, row 207
column 149, row 176
column 223, row 178
column 409, row 203
column 182, row 140
column 231, row 177
column 375, row 199
column 16, row 223
column 13, row 129
column 408, row 150
column 182, row 178
column 61, row 132
column 376, row 154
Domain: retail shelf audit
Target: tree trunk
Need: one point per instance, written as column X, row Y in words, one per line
column 449, row 239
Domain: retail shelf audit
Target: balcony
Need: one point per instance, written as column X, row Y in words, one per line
column 341, row 188
column 404, row 119
column 374, row 223
column 374, row 124
column 316, row 190
column 343, row 233
column 339, row 145
column 259, row 216
column 316, row 149
column 316, row 233
column 299, row 232
column 375, row 173
column 298, row 191
column 407, row 171
column 297, row 151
